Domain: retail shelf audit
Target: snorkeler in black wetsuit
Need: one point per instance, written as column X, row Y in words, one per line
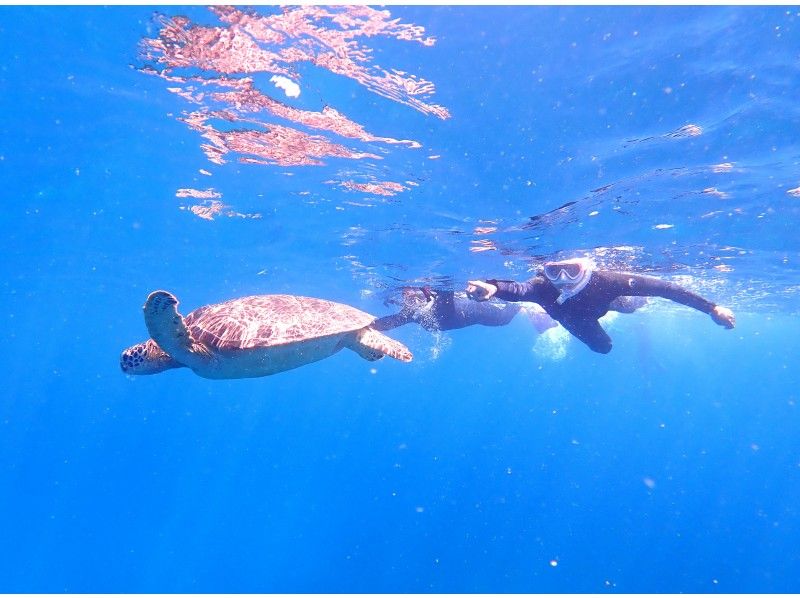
column 576, row 295
column 443, row 310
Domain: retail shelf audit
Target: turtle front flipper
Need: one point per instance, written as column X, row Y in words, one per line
column 370, row 344
column 167, row 328
column 366, row 352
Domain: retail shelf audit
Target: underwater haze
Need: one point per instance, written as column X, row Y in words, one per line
column 347, row 152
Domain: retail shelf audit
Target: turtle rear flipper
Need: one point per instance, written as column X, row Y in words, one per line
column 167, row 328
column 370, row 342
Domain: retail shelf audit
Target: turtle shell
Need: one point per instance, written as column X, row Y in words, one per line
column 269, row 320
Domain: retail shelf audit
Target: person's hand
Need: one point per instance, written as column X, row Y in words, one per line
column 480, row 291
column 723, row 316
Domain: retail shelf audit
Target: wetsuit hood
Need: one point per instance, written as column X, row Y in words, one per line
column 411, row 298
column 570, row 277
column 417, row 301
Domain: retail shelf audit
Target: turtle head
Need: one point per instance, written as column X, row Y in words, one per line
column 146, row 358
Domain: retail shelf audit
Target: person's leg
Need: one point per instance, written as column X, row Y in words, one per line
column 591, row 333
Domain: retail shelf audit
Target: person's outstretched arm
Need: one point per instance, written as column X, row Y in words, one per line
column 507, row 290
column 628, row 284
column 393, row 321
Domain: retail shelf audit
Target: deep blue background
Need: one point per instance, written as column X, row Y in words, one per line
column 670, row 465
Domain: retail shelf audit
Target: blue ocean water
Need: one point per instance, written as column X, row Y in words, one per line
column 662, row 140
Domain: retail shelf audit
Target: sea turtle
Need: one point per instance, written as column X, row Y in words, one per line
column 253, row 336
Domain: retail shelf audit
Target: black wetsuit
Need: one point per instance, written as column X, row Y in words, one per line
column 445, row 311
column 605, row 291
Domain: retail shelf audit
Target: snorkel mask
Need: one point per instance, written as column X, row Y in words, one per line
column 569, row 276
